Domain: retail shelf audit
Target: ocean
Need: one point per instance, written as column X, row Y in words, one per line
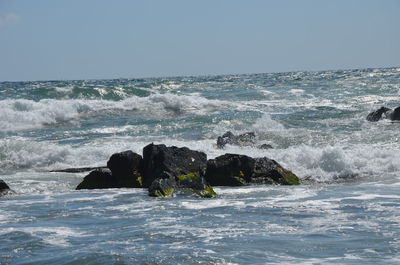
column 346, row 211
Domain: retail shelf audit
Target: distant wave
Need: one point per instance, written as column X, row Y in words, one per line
column 22, row 114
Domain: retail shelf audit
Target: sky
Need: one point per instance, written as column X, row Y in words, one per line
column 99, row 39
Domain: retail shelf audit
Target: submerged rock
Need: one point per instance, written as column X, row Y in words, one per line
column 384, row 112
column 245, row 139
column 4, row 188
column 240, row 170
column 160, row 161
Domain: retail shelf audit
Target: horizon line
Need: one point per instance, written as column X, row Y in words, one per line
column 199, row 75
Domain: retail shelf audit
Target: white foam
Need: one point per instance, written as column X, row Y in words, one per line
column 266, row 123
column 24, row 114
column 296, row 91
column 57, row 236
column 207, row 204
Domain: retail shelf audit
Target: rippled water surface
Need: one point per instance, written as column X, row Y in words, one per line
column 345, row 212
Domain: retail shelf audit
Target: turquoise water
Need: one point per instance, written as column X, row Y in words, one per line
column 346, row 212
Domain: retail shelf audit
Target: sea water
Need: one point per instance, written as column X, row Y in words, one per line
column 347, row 210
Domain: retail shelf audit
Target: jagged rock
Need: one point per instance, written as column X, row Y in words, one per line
column 4, row 188
column 160, row 161
column 245, row 139
column 384, row 112
column 240, row 170
column 125, row 167
column 99, row 179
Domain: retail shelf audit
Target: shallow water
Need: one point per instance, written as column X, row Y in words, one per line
column 346, row 212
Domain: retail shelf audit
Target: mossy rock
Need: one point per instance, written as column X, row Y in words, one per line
column 190, row 176
column 208, row 192
column 162, row 187
column 289, row 177
column 196, row 184
column 139, row 181
column 241, row 170
column 162, row 193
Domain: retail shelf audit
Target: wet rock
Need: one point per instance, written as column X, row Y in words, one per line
column 99, row 179
column 76, row 169
column 162, row 162
column 4, row 188
column 193, row 183
column 123, row 172
column 265, row 146
column 229, row 170
column 162, row 187
column 189, row 184
column 386, row 113
column 393, row 115
column 125, row 167
column 245, row 139
column 240, row 170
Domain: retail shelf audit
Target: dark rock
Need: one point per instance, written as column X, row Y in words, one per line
column 160, row 161
column 240, row 170
column 245, row 139
column 265, row 146
column 122, row 172
column 194, row 183
column 162, row 187
column 229, row 170
column 268, row 171
column 77, row 169
column 4, row 188
column 393, row 115
column 383, row 112
column 99, row 179
column 189, row 183
column 125, row 167
column 3, row 185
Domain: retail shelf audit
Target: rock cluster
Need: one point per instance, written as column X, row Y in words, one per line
column 167, row 170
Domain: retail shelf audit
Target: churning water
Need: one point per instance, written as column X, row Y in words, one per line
column 345, row 212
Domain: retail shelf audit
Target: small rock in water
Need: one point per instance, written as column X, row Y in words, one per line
column 99, row 179
column 4, row 188
column 125, row 167
column 245, row 139
column 265, row 146
column 123, row 172
column 383, row 112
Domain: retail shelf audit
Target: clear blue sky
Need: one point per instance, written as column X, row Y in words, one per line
column 95, row 39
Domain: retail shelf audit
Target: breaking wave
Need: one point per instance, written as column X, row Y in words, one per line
column 22, row 114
